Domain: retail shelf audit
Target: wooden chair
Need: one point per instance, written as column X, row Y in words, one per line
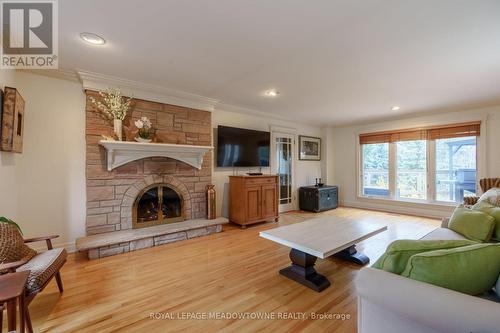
column 486, row 184
column 42, row 266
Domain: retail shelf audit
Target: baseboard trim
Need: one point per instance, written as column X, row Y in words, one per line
column 69, row 246
column 436, row 214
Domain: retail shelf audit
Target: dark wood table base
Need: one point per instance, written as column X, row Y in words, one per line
column 352, row 255
column 302, row 271
column 302, row 268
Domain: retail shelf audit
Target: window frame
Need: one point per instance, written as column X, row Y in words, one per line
column 481, row 170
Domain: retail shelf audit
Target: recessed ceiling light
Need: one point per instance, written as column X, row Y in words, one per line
column 92, row 38
column 396, row 108
column 272, row 93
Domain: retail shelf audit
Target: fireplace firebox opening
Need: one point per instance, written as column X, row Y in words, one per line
column 157, row 204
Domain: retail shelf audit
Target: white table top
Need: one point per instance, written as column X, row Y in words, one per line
column 323, row 236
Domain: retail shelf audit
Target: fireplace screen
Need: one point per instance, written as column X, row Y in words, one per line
column 159, row 204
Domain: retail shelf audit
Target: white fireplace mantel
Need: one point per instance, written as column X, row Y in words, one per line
column 123, row 152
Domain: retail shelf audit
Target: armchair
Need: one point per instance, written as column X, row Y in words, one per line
column 17, row 256
column 486, row 184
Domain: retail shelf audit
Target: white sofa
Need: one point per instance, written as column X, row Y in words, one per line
column 389, row 303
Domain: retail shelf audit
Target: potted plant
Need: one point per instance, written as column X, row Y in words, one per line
column 3, row 219
column 145, row 129
column 113, row 106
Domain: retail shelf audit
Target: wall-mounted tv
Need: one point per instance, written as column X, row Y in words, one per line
column 238, row 147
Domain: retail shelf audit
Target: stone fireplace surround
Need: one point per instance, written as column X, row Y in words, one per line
column 111, row 194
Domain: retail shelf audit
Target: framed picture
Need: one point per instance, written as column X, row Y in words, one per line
column 12, row 121
column 309, row 148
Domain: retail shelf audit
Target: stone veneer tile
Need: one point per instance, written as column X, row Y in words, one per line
column 165, row 239
column 197, row 232
column 95, row 220
column 141, row 244
column 101, row 210
column 99, row 229
column 113, row 218
column 100, row 193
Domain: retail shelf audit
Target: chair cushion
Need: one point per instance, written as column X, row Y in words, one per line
column 42, row 267
column 12, row 247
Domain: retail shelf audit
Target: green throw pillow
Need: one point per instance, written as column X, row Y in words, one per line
column 398, row 252
column 492, row 211
column 472, row 224
column 472, row 269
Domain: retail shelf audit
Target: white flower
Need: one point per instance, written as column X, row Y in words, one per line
column 139, row 124
column 113, row 105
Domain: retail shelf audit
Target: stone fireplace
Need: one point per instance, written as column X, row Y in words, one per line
column 149, row 192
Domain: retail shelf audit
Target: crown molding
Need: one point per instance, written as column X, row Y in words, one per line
column 63, row 74
column 155, row 93
column 257, row 113
column 150, row 92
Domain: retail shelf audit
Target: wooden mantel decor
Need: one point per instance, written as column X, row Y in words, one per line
column 123, row 152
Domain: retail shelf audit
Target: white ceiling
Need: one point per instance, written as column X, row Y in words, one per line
column 333, row 61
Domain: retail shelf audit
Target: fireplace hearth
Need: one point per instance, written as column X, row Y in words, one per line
column 157, row 204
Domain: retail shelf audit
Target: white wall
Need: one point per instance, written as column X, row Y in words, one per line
column 305, row 172
column 344, row 165
column 43, row 188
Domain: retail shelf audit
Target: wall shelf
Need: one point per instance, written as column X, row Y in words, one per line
column 123, row 152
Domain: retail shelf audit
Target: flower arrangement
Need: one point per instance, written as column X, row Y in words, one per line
column 145, row 129
column 114, row 105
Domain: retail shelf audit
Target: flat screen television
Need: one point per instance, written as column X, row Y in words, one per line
column 238, row 147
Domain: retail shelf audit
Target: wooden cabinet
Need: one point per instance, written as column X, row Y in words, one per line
column 253, row 199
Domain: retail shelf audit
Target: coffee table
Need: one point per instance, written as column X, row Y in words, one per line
column 321, row 237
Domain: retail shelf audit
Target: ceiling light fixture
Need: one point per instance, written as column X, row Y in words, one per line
column 272, row 93
column 93, row 39
column 396, row 108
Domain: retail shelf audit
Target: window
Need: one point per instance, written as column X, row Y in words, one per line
column 455, row 168
column 436, row 164
column 411, row 169
column 376, row 169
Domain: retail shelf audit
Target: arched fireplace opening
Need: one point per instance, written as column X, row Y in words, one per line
column 157, row 204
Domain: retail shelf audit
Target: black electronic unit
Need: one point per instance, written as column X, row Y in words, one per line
column 239, row 147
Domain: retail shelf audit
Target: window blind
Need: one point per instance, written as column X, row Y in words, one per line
column 423, row 133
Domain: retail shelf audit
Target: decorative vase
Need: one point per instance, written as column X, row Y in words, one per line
column 117, row 127
column 211, row 214
column 139, row 139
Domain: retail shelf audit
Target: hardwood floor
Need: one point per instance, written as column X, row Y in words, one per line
column 235, row 271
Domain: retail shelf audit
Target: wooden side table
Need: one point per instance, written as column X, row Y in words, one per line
column 11, row 292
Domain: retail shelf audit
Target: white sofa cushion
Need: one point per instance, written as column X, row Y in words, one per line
column 420, row 307
column 443, row 234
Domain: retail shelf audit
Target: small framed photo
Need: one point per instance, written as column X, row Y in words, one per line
column 309, row 148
